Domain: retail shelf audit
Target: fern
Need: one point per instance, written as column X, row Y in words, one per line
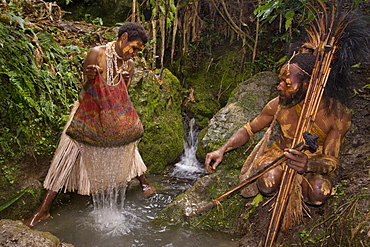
column 35, row 95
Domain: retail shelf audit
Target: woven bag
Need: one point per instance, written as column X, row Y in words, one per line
column 105, row 116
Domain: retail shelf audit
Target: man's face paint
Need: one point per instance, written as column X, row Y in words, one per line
column 290, row 88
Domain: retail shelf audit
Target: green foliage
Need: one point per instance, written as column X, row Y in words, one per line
column 163, row 8
column 38, row 85
column 13, row 199
column 307, row 238
column 254, row 205
column 9, row 173
column 264, row 62
column 339, row 191
column 293, row 12
column 96, row 21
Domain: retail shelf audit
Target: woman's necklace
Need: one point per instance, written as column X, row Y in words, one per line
column 112, row 64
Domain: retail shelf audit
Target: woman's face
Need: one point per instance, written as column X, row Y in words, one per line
column 129, row 49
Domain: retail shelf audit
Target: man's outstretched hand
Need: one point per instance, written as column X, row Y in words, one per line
column 216, row 157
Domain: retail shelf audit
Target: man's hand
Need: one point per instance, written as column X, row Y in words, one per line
column 91, row 71
column 297, row 160
column 215, row 156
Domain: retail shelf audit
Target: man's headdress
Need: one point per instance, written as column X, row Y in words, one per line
column 353, row 48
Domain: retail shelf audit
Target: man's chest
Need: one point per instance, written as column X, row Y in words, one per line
column 288, row 120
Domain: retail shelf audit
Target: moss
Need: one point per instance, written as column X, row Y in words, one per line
column 214, row 84
column 158, row 103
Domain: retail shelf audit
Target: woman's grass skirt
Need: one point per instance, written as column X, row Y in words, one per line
column 85, row 169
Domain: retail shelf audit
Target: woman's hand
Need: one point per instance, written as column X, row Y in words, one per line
column 91, row 71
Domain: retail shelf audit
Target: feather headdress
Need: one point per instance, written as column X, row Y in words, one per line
column 351, row 31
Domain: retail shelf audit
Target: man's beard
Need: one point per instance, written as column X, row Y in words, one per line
column 290, row 101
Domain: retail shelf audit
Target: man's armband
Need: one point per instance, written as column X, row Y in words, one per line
column 321, row 164
column 248, row 127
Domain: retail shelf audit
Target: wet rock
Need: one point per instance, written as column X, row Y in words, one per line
column 246, row 103
column 16, row 234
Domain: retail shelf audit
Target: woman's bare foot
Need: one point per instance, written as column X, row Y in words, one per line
column 147, row 190
column 36, row 218
column 42, row 212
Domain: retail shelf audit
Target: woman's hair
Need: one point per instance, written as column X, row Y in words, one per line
column 134, row 30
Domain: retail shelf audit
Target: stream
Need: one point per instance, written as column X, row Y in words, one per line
column 74, row 223
column 81, row 223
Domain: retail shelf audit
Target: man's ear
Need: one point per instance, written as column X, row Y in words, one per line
column 306, row 83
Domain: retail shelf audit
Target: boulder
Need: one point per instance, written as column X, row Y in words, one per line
column 16, row 234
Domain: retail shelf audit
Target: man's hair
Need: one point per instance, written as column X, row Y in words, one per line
column 134, row 30
column 306, row 62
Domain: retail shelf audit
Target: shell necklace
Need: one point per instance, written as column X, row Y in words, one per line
column 112, row 64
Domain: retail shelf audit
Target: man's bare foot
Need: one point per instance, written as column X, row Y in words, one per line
column 147, row 190
column 36, row 218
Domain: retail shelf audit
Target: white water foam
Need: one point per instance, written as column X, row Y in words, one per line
column 189, row 167
column 108, row 216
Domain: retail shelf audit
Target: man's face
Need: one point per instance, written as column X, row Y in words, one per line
column 291, row 89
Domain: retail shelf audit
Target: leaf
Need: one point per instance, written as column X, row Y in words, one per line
column 289, row 19
column 13, row 199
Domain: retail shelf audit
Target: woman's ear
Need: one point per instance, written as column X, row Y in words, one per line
column 124, row 36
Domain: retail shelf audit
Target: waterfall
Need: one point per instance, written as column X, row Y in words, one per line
column 189, row 167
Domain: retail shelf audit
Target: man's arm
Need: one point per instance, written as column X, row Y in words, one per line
column 327, row 161
column 241, row 136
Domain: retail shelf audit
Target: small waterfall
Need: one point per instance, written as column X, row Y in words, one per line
column 189, row 167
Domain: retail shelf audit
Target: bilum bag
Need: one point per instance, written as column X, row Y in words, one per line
column 106, row 116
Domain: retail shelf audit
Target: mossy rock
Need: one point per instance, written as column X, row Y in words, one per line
column 246, row 102
column 213, row 83
column 221, row 218
column 158, row 103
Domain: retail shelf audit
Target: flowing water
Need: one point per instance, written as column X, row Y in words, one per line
column 123, row 217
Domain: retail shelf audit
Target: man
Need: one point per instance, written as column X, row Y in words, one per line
column 332, row 122
column 79, row 166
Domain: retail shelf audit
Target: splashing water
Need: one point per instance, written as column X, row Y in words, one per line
column 108, row 215
column 189, row 167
